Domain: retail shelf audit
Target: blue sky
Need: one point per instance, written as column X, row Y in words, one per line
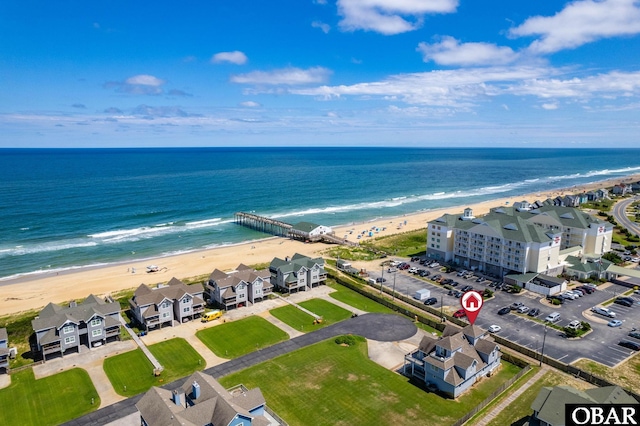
column 319, row 72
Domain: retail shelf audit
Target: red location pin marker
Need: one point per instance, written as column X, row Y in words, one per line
column 471, row 302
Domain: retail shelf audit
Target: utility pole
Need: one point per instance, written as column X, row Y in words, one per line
column 393, row 296
column 544, row 338
column 381, row 278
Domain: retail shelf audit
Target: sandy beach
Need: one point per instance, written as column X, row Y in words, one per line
column 34, row 292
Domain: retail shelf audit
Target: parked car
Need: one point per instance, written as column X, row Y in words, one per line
column 466, row 288
column 569, row 295
column 381, row 280
column 579, row 291
column 623, row 302
column 391, row 270
column 436, row 277
column 574, row 325
column 516, row 305
column 458, row 294
column 614, row 323
column 576, row 292
column 434, row 265
column 455, row 283
column 589, row 290
column 557, row 298
column 423, row 273
column 413, row 270
column 446, row 281
column 534, row 312
column 494, row 328
column 553, row 317
column 480, row 279
column 635, row 334
column 461, row 273
column 603, row 311
column 415, row 259
column 431, row 301
column 523, row 309
column 504, row 311
column 630, row 345
column 459, row 313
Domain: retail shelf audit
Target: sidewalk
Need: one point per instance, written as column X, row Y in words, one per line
column 512, row 397
column 141, row 345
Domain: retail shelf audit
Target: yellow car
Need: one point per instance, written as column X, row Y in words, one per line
column 211, row 315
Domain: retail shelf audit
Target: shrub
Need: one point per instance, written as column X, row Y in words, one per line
column 570, row 332
column 487, row 293
column 585, row 325
column 555, row 302
column 348, row 340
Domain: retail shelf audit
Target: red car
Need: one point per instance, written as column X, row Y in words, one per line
column 459, row 313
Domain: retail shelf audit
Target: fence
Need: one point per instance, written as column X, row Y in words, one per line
column 492, row 396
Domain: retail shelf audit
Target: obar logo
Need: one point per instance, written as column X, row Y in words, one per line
column 601, row 414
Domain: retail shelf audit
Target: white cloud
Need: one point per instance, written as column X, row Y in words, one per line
column 579, row 23
column 389, row 16
column 324, row 27
column 235, row 57
column 449, row 51
column 144, row 80
column 250, row 104
column 610, row 85
column 550, row 107
column 285, row 76
column 451, row 88
column 141, row 84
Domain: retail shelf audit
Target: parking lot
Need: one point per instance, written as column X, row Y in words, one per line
column 601, row 344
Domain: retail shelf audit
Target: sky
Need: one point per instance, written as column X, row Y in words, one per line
column 409, row 73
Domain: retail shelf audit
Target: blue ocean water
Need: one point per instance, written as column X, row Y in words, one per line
column 66, row 208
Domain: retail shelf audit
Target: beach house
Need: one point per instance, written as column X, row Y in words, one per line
column 238, row 288
column 511, row 240
column 202, row 401
column 550, row 404
column 167, row 304
column 299, row 273
column 455, row 361
column 4, row 350
column 91, row 323
column 309, row 231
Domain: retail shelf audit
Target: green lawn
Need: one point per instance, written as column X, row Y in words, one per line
column 131, row 373
column 295, row 318
column 520, row 409
column 233, row 339
column 329, row 312
column 49, row 401
column 350, row 297
column 329, row 384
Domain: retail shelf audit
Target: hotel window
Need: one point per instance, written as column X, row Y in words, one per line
column 95, row 322
column 68, row 329
column 97, row 332
column 70, row 339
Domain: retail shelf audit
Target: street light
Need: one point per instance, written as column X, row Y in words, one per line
column 544, row 338
column 381, row 278
column 393, row 295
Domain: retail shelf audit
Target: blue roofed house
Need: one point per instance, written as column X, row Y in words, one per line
column 90, row 323
column 300, row 273
column 454, row 362
column 202, row 401
column 4, row 350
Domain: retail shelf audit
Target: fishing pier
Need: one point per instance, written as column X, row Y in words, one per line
column 263, row 224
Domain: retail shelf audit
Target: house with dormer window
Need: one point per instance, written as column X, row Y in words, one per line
column 238, row 288
column 455, row 361
column 299, row 273
column 167, row 304
column 90, row 323
column 4, row 350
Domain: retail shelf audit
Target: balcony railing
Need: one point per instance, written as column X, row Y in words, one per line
column 51, row 348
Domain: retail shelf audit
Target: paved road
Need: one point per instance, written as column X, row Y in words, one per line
column 619, row 210
column 381, row 327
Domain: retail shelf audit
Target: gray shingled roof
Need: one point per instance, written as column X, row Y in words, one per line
column 304, row 226
column 54, row 316
column 174, row 290
column 3, row 334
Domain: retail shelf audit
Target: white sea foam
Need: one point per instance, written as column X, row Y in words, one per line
column 45, row 247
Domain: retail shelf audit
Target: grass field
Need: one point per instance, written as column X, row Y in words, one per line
column 329, row 312
column 237, row 338
column 296, row 318
column 350, row 297
column 131, row 373
column 48, row 401
column 329, row 384
column 520, row 408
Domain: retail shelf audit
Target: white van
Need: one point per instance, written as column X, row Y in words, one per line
column 371, row 281
column 553, row 317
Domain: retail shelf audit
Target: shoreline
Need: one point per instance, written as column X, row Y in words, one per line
column 34, row 291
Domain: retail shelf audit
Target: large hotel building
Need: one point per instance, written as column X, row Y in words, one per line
column 520, row 239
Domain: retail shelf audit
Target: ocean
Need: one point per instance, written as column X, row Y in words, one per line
column 68, row 208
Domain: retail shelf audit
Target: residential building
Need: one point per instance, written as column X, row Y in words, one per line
column 92, row 322
column 238, row 288
column 202, row 401
column 582, row 268
column 549, row 406
column 516, row 240
column 621, row 189
column 167, row 304
column 455, row 361
column 4, row 350
column 299, row 273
